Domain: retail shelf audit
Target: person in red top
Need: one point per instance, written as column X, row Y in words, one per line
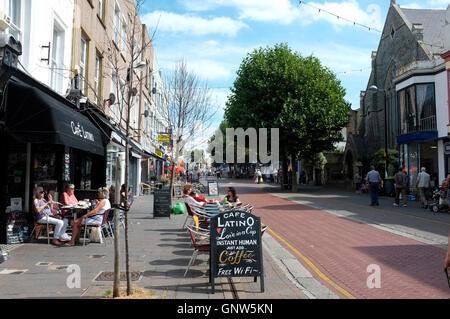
column 68, row 197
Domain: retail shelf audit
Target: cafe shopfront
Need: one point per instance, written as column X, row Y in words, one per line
column 45, row 142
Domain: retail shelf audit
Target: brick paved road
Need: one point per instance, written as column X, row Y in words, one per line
column 343, row 249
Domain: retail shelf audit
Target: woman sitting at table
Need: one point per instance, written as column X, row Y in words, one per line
column 68, row 197
column 189, row 200
column 93, row 218
column 123, row 197
column 44, row 211
column 231, row 196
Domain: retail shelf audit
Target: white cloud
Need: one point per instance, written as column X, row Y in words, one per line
column 439, row 3
column 191, row 24
column 210, row 70
column 339, row 58
column 283, row 11
column 288, row 11
column 412, row 6
column 350, row 10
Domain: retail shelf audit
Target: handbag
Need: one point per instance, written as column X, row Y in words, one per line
column 96, row 236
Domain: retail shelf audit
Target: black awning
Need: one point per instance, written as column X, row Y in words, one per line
column 36, row 116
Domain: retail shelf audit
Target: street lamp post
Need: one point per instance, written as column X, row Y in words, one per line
column 374, row 88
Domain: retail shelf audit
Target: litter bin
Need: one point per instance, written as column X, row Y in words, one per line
column 389, row 188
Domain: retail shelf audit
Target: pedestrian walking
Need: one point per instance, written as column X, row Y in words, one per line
column 375, row 181
column 401, row 184
column 357, row 179
column 423, row 183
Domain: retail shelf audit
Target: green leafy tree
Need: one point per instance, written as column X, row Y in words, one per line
column 378, row 160
column 278, row 88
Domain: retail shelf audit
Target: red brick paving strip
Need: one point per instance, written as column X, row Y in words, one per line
column 343, row 250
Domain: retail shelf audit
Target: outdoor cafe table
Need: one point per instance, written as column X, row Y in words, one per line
column 72, row 212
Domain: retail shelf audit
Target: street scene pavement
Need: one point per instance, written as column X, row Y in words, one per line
column 322, row 243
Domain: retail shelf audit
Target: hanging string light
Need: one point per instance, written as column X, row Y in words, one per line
column 440, row 46
column 339, row 17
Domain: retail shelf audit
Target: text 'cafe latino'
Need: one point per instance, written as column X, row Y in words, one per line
column 45, row 142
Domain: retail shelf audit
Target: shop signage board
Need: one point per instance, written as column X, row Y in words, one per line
column 164, row 138
column 213, row 188
column 159, row 153
column 236, row 247
column 447, row 148
column 161, row 203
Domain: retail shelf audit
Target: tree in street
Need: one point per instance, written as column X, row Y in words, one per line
column 190, row 110
column 278, row 88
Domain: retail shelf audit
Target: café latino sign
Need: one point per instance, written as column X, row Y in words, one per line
column 236, row 249
column 78, row 129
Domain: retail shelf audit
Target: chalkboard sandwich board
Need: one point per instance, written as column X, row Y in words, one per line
column 161, row 203
column 236, row 248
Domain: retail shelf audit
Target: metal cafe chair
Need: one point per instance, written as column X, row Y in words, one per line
column 200, row 246
column 37, row 229
column 104, row 226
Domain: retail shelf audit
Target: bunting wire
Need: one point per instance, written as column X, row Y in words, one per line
column 359, row 24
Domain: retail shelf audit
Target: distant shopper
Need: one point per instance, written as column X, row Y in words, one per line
column 374, row 180
column 401, row 184
column 357, row 179
column 423, row 183
column 123, row 197
column 447, row 180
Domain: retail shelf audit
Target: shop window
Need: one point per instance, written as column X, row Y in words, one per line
column 15, row 13
column 83, row 64
column 86, row 173
column 417, row 109
column 57, row 61
column 45, row 172
column 98, row 78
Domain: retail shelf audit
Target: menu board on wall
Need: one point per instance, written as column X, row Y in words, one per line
column 236, row 249
column 178, row 190
column 161, row 203
column 18, row 231
column 66, row 167
column 213, row 188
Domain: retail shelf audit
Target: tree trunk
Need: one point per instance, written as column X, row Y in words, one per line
column 127, row 251
column 284, row 172
column 116, row 285
column 294, row 175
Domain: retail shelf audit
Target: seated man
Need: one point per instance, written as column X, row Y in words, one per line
column 68, row 197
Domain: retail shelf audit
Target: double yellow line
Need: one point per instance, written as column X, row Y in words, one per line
column 313, row 267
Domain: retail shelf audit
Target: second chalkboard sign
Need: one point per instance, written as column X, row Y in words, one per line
column 236, row 249
column 161, row 203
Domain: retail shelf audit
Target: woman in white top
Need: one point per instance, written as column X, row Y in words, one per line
column 94, row 217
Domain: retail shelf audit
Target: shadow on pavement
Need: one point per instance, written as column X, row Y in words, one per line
column 416, row 261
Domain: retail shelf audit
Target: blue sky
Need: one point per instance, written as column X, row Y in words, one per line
column 213, row 36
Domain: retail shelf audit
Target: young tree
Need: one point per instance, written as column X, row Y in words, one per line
column 190, row 109
column 127, row 78
column 278, row 88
